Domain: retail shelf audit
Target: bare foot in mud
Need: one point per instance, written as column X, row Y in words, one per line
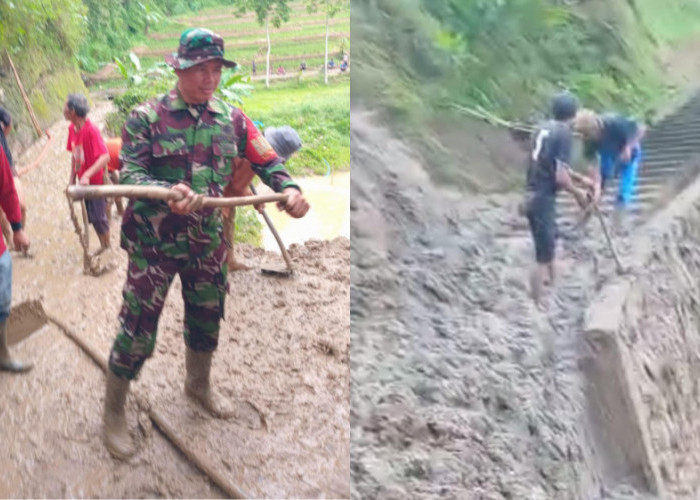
column 99, row 252
column 234, row 265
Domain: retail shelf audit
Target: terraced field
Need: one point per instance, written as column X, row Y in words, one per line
column 302, row 39
column 319, row 112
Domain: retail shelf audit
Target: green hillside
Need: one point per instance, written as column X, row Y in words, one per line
column 418, row 59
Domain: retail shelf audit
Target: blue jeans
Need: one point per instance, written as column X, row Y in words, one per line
column 5, row 285
column 627, row 171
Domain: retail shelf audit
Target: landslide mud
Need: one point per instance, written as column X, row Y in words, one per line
column 283, row 357
column 462, row 388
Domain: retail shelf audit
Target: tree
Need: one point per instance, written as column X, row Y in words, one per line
column 151, row 15
column 266, row 11
column 331, row 8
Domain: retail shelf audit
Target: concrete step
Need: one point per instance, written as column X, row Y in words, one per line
column 643, row 180
column 609, row 197
column 685, row 119
column 566, row 225
column 651, row 171
column 676, row 147
column 669, row 155
column 606, row 202
column 681, row 132
column 662, row 138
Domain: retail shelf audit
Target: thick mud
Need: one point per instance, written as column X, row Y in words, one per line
column 283, row 357
column 461, row 387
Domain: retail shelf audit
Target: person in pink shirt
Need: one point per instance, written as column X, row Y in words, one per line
column 89, row 156
column 9, row 201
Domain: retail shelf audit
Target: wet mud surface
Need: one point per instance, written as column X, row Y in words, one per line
column 462, row 388
column 283, row 357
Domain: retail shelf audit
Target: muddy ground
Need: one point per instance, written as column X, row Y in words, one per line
column 461, row 387
column 283, row 357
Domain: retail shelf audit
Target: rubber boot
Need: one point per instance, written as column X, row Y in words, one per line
column 6, row 362
column 116, row 430
column 197, row 384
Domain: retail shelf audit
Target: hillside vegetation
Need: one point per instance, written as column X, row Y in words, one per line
column 417, row 60
column 53, row 43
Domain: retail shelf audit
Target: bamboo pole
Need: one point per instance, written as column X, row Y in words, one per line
column 158, row 417
column 24, row 96
column 164, row 193
column 25, row 170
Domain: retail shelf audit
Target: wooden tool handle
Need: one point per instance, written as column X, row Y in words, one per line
column 274, row 232
column 164, row 193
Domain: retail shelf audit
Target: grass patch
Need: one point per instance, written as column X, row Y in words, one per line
column 248, row 227
column 321, row 115
column 672, row 23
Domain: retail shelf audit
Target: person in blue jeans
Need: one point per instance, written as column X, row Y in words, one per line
column 612, row 142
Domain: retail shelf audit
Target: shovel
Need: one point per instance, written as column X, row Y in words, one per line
column 618, row 264
column 286, row 273
column 25, row 318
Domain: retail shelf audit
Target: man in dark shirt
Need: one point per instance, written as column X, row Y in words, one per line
column 548, row 172
column 612, row 145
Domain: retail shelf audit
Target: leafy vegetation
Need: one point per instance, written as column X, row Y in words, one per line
column 416, row 59
column 115, row 26
column 321, row 115
column 248, row 226
column 146, row 84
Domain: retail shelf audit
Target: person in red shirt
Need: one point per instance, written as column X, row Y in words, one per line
column 9, row 201
column 114, row 147
column 89, row 156
column 5, row 129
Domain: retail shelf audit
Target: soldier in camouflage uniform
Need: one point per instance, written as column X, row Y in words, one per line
column 185, row 140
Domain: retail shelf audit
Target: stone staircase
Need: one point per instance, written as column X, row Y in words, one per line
column 671, row 149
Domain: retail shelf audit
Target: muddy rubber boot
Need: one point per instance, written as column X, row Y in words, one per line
column 116, row 430
column 6, row 362
column 197, row 384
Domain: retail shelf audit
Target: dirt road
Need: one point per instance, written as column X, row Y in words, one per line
column 283, row 357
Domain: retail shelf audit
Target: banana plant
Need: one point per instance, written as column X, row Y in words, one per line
column 130, row 72
column 151, row 16
column 234, row 86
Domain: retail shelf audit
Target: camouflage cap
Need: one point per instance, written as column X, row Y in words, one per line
column 198, row 45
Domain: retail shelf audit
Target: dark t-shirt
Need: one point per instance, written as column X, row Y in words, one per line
column 617, row 132
column 551, row 142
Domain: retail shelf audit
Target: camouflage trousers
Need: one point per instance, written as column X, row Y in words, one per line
column 204, row 289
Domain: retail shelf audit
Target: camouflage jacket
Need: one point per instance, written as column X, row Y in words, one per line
column 165, row 142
